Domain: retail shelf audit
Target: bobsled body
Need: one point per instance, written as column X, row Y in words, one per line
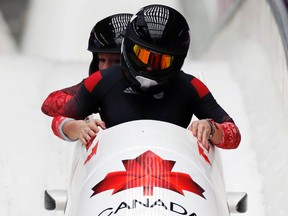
column 146, row 168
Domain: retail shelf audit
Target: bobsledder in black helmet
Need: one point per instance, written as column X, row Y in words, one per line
column 106, row 37
column 155, row 45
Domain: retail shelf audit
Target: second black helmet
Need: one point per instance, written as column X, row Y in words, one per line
column 107, row 35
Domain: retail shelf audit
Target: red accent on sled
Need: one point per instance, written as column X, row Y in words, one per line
column 93, row 152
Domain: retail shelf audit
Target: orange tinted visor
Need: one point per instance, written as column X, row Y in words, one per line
column 157, row 61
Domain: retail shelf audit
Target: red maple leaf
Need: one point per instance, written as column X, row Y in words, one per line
column 148, row 170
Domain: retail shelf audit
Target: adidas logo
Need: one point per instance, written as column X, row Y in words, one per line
column 129, row 90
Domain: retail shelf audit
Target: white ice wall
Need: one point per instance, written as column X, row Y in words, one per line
column 251, row 43
column 7, row 44
column 205, row 18
column 60, row 29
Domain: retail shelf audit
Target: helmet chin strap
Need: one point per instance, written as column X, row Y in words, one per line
column 145, row 82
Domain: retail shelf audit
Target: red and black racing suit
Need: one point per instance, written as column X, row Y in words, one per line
column 53, row 106
column 109, row 93
column 54, row 103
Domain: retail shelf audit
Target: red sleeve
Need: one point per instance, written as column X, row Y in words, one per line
column 53, row 104
column 231, row 136
column 55, row 125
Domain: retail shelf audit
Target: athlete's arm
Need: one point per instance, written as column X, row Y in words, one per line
column 85, row 102
column 85, row 131
column 57, row 125
column 224, row 135
column 54, row 103
column 214, row 123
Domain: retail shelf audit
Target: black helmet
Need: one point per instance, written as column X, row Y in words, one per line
column 106, row 37
column 155, row 45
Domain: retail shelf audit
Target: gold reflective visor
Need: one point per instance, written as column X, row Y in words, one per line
column 155, row 60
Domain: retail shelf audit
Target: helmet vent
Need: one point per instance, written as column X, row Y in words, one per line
column 156, row 18
column 119, row 25
column 107, row 35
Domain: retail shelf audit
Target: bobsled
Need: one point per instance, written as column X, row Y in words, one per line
column 146, row 167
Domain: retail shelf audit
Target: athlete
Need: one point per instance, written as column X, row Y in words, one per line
column 149, row 84
column 105, row 44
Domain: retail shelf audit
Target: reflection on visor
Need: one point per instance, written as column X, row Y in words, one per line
column 156, row 60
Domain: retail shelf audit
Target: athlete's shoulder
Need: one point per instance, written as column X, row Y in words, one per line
column 105, row 76
column 185, row 76
column 193, row 83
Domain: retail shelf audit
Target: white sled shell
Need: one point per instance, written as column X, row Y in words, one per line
column 146, row 168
